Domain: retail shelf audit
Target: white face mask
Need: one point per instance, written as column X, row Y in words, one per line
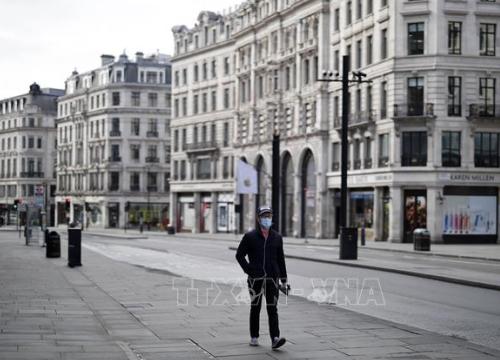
column 266, row 223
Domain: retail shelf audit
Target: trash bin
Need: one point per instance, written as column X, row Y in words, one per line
column 53, row 244
column 421, row 240
column 348, row 243
column 74, row 247
column 170, row 230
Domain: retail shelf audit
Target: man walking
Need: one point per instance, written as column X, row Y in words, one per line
column 265, row 266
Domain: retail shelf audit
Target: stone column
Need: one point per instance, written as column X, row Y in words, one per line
column 396, row 207
column 173, row 209
column 435, row 213
column 213, row 211
column 297, row 206
column 378, row 209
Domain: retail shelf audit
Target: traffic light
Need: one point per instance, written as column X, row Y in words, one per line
column 127, row 206
column 67, row 204
column 16, row 203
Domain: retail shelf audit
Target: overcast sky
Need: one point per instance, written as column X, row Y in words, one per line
column 44, row 40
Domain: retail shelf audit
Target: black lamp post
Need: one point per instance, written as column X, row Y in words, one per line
column 348, row 238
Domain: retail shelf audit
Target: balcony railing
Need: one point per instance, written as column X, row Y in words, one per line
column 134, row 187
column 115, row 159
column 357, row 118
column 203, row 176
column 201, row 146
column 114, row 187
column 115, row 133
column 368, row 163
column 152, row 159
column 414, row 160
column 152, row 188
column 357, row 164
column 151, row 134
column 30, row 174
column 335, row 166
column 484, row 111
column 414, row 110
column 383, row 161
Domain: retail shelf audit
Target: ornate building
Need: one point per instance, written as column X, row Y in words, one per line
column 423, row 135
column 113, row 148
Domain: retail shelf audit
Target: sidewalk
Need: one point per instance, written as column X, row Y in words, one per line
column 465, row 251
column 111, row 310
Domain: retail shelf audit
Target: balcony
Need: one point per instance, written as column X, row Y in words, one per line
column 152, row 188
column 204, row 146
column 484, row 111
column 203, row 176
column 115, row 159
column 114, row 187
column 360, row 118
column 152, row 159
column 368, row 163
column 417, row 110
column 335, row 166
column 357, row 164
column 152, row 134
column 115, row 133
column 134, row 187
column 414, row 160
column 383, row 161
column 31, row 174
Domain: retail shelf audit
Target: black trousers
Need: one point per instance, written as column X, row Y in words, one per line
column 269, row 288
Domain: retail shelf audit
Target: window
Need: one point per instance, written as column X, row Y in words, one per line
column 336, row 60
column 225, row 140
column 135, row 181
column 184, row 138
column 152, row 99
column 136, row 98
column 184, row 106
column 116, row 99
column 383, row 44
column 383, row 3
column 135, row 126
column 348, row 14
column 487, row 39
column 368, row 153
column 358, row 54
column 152, row 184
column 214, row 100
column 335, row 156
column 31, row 142
column 38, row 145
column 454, row 37
column 416, row 38
column 115, row 152
column 383, row 150
column 135, row 152
column 369, row 7
column 115, row 125
column 204, row 102
column 487, row 94
column 182, row 170
column 450, row 149
column 226, row 66
column 114, row 178
column 369, row 50
column 203, row 169
column 195, row 72
column 383, row 100
column 184, row 76
column 454, row 96
column 359, row 11
column 306, row 71
column 176, row 108
column 415, row 96
column 176, row 78
column 337, row 19
column 204, row 71
column 214, row 69
column 195, row 104
column 414, row 148
column 225, row 167
column 226, row 98
column 486, row 149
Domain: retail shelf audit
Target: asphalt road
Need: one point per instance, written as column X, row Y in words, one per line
column 449, row 309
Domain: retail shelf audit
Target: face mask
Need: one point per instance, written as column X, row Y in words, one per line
column 266, row 223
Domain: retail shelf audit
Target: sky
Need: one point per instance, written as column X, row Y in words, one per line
column 43, row 41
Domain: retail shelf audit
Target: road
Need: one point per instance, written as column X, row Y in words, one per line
column 449, row 309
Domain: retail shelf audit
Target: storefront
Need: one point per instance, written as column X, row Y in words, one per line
column 206, row 213
column 154, row 215
column 361, row 210
column 94, row 215
column 470, row 214
column 415, row 212
column 185, row 213
column 225, row 213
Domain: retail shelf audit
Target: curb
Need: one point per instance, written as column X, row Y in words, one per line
column 116, row 236
column 397, row 271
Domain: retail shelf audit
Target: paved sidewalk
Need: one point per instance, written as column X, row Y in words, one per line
column 111, row 310
column 466, row 251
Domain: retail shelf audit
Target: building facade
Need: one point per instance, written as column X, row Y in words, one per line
column 27, row 155
column 423, row 134
column 113, row 150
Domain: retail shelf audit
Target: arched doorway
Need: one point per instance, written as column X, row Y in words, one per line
column 308, row 203
column 260, row 199
column 287, row 198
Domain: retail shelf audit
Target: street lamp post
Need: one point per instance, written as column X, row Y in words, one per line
column 348, row 251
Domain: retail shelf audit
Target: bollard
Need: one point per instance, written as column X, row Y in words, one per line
column 74, row 247
column 53, row 245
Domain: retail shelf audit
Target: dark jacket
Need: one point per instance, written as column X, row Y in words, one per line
column 268, row 262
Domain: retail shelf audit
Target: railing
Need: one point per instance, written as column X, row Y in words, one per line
column 335, row 166
column 416, row 109
column 134, row 188
column 115, row 159
column 368, row 163
column 414, row 160
column 151, row 134
column 357, row 164
column 114, row 187
column 30, row 174
column 204, row 145
column 115, row 133
column 152, row 188
column 484, row 110
column 383, row 161
column 203, row 176
column 152, row 159
column 357, row 118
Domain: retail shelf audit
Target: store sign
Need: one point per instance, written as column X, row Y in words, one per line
column 373, row 178
column 469, row 215
column 458, row 177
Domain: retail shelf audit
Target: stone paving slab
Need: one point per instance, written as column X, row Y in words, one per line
column 111, row 310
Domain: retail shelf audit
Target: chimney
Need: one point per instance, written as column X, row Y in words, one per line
column 139, row 56
column 107, row 59
column 123, row 58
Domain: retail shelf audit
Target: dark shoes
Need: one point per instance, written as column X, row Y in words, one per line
column 278, row 342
